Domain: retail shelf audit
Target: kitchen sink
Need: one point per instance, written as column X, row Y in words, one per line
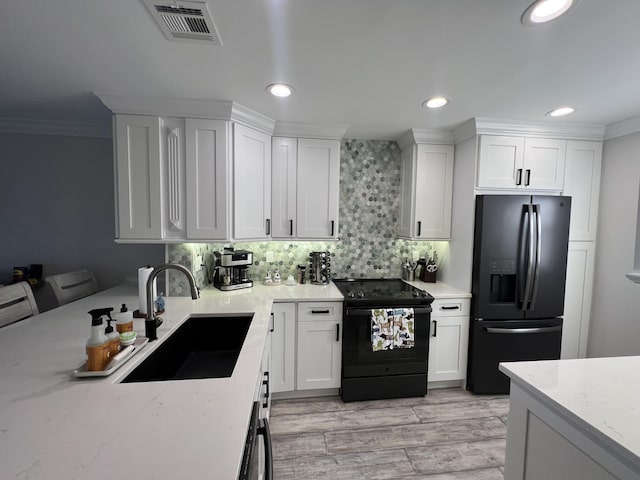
column 202, row 347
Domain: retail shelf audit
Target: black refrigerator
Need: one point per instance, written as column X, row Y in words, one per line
column 518, row 282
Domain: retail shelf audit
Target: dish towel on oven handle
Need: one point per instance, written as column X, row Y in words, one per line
column 392, row 328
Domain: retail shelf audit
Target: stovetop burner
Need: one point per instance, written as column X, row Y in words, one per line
column 381, row 290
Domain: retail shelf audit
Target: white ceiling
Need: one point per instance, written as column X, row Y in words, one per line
column 368, row 64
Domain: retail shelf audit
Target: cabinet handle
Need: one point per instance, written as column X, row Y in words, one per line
column 527, row 178
column 519, row 176
column 451, row 307
column 333, row 224
column 419, row 228
column 291, row 228
column 268, row 226
column 273, row 322
column 265, row 382
column 435, row 328
column 337, row 332
column 320, row 311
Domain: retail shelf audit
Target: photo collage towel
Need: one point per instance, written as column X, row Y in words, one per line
column 392, row 328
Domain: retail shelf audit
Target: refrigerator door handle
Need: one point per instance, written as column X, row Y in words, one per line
column 536, row 276
column 530, row 261
column 557, row 328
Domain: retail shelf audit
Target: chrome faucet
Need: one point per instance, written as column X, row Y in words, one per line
column 152, row 322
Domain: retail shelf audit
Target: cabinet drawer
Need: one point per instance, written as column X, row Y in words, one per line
column 314, row 311
column 450, row 307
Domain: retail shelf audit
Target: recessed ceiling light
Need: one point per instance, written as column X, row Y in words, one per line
column 542, row 11
column 280, row 89
column 435, row 102
column 561, row 111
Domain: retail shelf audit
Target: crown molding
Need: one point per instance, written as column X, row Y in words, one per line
column 187, row 107
column 56, row 127
column 308, row 130
column 499, row 126
column 421, row 135
column 622, row 128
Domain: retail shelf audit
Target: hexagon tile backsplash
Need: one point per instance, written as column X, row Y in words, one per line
column 369, row 211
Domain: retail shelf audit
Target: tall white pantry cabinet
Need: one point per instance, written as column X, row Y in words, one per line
column 497, row 158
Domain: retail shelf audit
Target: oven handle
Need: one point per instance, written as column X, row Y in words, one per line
column 268, row 449
column 350, row 311
column 524, row 330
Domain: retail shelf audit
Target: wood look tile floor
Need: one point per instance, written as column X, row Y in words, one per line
column 450, row 434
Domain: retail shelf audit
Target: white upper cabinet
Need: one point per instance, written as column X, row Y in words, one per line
column 208, row 179
column 284, row 168
column 427, row 189
column 173, row 171
column 306, row 188
column 582, row 183
column 506, row 162
column 318, row 188
column 252, row 183
column 138, row 184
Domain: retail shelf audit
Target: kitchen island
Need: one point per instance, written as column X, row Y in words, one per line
column 573, row 419
column 53, row 425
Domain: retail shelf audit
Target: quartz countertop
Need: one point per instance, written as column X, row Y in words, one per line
column 53, row 425
column 440, row 291
column 597, row 395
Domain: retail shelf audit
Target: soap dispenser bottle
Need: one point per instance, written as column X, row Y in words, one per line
column 112, row 337
column 98, row 345
column 124, row 320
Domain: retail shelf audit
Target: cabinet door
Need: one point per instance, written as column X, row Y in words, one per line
column 284, row 167
column 582, row 183
column 319, row 345
column 138, row 181
column 283, row 344
column 407, row 225
column 434, row 191
column 318, row 188
column 174, row 197
column 500, row 161
column 251, row 183
column 544, row 161
column 577, row 299
column 208, row 179
column 448, row 348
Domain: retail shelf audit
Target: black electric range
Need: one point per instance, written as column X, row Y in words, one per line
column 378, row 291
column 370, row 372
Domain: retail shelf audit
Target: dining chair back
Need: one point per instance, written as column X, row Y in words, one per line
column 71, row 286
column 16, row 303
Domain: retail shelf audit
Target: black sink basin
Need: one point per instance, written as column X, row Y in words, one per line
column 202, row 347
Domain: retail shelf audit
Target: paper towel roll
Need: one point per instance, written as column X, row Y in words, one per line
column 143, row 276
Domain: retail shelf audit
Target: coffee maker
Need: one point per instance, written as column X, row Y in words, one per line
column 232, row 269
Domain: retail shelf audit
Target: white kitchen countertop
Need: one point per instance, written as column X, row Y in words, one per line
column 597, row 395
column 439, row 290
column 53, row 425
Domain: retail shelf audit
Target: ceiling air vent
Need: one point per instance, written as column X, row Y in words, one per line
column 185, row 21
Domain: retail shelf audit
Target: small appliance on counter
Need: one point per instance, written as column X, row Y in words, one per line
column 232, row 269
column 319, row 268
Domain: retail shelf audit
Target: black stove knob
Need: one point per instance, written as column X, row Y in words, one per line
column 350, row 294
column 360, row 294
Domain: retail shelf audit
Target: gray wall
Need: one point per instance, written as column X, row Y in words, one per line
column 57, row 209
column 615, row 316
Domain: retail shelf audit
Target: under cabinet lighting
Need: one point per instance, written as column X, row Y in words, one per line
column 561, row 111
column 542, row 11
column 280, row 89
column 435, row 102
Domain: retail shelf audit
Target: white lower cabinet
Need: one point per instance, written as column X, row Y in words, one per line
column 577, row 299
column 283, row 347
column 449, row 338
column 319, row 345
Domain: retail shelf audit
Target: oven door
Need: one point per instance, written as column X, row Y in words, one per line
column 359, row 358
